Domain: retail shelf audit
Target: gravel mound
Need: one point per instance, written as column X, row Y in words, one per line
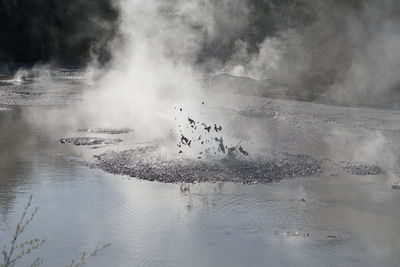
column 105, row 130
column 356, row 168
column 146, row 163
column 5, row 109
column 88, row 141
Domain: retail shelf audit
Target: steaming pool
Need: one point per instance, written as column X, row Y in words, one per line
column 335, row 218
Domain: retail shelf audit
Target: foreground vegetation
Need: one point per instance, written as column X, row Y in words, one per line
column 17, row 249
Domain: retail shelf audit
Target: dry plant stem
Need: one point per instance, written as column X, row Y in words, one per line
column 17, row 251
column 86, row 256
column 26, row 247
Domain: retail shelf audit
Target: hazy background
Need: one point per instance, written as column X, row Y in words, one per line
column 317, row 48
column 71, row 31
column 67, row 32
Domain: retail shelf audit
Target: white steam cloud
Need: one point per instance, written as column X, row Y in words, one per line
column 155, row 70
column 346, row 55
column 163, row 54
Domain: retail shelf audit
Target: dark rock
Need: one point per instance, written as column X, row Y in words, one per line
column 217, row 128
column 184, row 140
column 206, row 127
column 192, row 122
column 221, row 146
column 244, row 152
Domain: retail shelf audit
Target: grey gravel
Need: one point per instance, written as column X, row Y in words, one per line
column 146, row 163
column 5, row 109
column 105, row 130
column 88, row 141
column 356, row 168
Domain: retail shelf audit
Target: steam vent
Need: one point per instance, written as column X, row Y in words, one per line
column 200, row 133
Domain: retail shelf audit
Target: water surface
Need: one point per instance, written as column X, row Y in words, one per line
column 327, row 220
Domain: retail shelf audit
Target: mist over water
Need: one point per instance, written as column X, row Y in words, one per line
column 100, row 141
column 343, row 52
column 163, row 53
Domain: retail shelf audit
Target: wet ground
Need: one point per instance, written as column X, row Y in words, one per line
column 334, row 203
column 55, row 87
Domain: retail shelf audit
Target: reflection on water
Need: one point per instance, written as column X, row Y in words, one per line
column 320, row 221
